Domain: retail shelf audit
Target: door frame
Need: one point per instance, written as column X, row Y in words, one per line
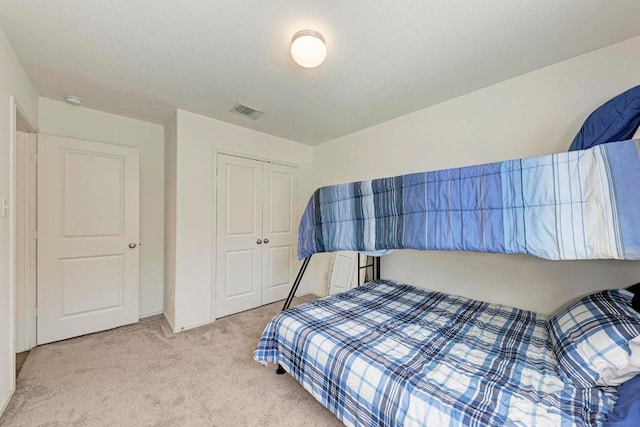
column 16, row 112
column 26, row 241
column 213, row 202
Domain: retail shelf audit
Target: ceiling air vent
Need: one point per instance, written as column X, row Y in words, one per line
column 246, row 111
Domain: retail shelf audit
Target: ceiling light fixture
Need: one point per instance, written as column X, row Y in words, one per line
column 308, row 48
column 73, row 100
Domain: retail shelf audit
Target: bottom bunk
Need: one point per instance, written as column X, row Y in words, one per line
column 390, row 354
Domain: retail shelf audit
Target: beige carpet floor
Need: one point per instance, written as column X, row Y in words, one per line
column 144, row 375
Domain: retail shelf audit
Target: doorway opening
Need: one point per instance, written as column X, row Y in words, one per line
column 22, row 214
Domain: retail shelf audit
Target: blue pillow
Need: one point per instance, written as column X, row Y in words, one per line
column 591, row 339
column 626, row 412
column 615, row 120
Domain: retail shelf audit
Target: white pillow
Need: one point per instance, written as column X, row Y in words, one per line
column 637, row 134
column 629, row 368
column 596, row 339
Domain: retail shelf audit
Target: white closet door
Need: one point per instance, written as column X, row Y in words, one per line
column 343, row 268
column 88, row 231
column 238, row 234
column 279, row 231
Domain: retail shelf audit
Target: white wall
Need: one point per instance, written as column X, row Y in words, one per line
column 533, row 114
column 62, row 119
column 197, row 137
column 170, row 164
column 13, row 82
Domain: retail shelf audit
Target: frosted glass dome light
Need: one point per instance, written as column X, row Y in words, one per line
column 308, row 48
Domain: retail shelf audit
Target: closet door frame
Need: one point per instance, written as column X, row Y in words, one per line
column 215, row 151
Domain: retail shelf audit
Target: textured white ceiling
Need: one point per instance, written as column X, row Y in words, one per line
column 144, row 58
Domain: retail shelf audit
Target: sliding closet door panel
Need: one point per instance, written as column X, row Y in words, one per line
column 239, row 235
column 280, row 189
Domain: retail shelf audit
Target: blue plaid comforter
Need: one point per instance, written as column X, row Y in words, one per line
column 388, row 354
column 577, row 205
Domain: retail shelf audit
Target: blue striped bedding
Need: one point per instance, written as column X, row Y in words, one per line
column 577, row 205
column 389, row 354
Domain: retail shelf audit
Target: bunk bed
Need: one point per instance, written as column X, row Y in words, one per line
column 387, row 353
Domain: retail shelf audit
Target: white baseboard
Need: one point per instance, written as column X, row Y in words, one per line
column 185, row 328
column 316, row 293
column 195, row 325
column 18, row 350
column 153, row 313
column 5, row 401
column 173, row 328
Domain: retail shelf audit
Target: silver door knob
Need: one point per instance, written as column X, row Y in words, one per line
column 266, row 240
column 132, row 245
column 258, row 241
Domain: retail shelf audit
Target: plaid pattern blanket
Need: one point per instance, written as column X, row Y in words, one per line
column 389, row 354
column 577, row 205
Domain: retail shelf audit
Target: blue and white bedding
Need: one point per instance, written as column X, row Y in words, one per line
column 389, row 354
column 577, row 205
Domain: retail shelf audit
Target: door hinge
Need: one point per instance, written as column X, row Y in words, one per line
column 34, row 157
column 34, row 234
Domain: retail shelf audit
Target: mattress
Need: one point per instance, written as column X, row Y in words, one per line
column 389, row 354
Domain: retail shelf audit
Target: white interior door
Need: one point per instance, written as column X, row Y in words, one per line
column 279, row 230
column 238, row 234
column 343, row 268
column 88, row 231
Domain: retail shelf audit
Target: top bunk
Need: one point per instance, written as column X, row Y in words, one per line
column 581, row 204
column 578, row 205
